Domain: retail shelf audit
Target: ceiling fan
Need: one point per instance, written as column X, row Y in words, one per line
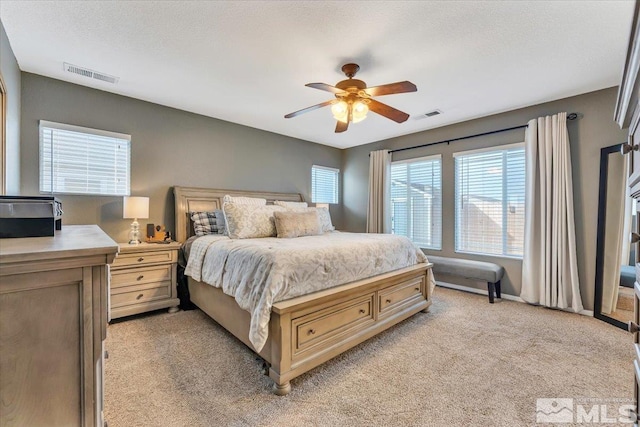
column 354, row 99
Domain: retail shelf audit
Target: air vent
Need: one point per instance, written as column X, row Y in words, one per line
column 85, row 72
column 433, row 113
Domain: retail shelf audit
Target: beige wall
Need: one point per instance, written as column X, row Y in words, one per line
column 11, row 76
column 587, row 135
column 169, row 147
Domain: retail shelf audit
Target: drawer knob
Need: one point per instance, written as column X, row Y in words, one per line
column 635, row 238
column 140, row 277
column 633, row 327
column 362, row 311
column 627, row 148
column 140, row 259
column 418, row 289
column 139, row 296
column 311, row 332
column 388, row 301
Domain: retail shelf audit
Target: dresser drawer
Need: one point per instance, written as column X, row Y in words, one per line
column 396, row 296
column 146, row 258
column 141, row 295
column 322, row 326
column 139, row 276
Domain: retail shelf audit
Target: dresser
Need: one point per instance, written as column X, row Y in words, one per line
column 143, row 278
column 53, row 321
column 627, row 114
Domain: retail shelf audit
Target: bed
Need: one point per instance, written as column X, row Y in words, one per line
column 306, row 331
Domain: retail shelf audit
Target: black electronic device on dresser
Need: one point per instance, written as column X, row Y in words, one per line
column 29, row 216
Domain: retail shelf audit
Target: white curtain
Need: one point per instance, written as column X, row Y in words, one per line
column 378, row 215
column 549, row 265
column 617, row 226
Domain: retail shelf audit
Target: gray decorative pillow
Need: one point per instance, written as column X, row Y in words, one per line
column 221, row 223
column 297, row 223
column 204, row 223
column 250, row 221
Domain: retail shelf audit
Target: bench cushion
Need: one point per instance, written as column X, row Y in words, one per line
column 478, row 270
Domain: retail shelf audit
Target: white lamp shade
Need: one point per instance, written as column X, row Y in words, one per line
column 135, row 207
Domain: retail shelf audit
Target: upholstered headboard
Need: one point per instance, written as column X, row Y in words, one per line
column 190, row 199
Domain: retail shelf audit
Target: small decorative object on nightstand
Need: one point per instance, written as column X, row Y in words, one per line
column 143, row 278
column 135, row 207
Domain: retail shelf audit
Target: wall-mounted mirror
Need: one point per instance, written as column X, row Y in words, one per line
column 615, row 257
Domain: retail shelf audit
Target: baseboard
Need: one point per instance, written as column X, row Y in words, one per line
column 504, row 296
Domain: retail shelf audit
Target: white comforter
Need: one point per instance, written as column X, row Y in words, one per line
column 261, row 272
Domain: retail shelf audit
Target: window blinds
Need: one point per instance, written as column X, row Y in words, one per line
column 416, row 200
column 324, row 184
column 490, row 201
column 76, row 160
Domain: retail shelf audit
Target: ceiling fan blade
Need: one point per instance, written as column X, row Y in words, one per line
column 313, row 107
column 387, row 111
column 341, row 126
column 324, row 86
column 391, row 88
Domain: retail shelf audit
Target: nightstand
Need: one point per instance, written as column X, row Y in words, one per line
column 143, row 278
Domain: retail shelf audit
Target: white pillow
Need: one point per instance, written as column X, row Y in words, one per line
column 250, row 221
column 325, row 219
column 291, row 205
column 254, row 201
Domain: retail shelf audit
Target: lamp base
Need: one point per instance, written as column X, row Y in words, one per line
column 134, row 233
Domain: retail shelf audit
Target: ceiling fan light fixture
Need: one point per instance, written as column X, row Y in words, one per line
column 359, row 111
column 340, row 111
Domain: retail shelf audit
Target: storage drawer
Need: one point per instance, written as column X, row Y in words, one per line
column 396, row 296
column 321, row 326
column 146, row 258
column 142, row 295
column 138, row 276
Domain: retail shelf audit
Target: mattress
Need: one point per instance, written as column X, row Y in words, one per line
column 261, row 272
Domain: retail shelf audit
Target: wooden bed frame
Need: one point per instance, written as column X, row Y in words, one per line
column 306, row 331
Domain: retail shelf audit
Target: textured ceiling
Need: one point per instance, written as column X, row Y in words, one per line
column 247, row 61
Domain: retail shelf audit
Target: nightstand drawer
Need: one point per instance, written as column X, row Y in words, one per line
column 139, row 276
column 142, row 295
column 143, row 258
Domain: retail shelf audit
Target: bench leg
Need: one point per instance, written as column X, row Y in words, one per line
column 492, row 288
column 498, row 289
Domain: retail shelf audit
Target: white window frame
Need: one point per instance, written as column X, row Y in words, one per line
column 337, row 184
column 418, row 160
column 43, row 124
column 455, row 198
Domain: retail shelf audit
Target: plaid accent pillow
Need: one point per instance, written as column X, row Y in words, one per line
column 204, row 223
column 221, row 224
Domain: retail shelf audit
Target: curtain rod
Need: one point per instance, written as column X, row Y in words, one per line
column 571, row 116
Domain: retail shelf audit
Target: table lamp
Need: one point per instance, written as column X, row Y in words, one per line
column 135, row 207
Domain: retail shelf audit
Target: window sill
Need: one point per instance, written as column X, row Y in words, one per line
column 513, row 257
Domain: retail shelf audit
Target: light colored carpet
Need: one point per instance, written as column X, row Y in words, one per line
column 465, row 363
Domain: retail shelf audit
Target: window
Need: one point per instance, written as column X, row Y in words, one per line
column 490, row 201
column 416, row 200
column 324, row 184
column 77, row 160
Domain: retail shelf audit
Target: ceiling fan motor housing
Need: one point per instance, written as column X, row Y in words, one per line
column 351, row 83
